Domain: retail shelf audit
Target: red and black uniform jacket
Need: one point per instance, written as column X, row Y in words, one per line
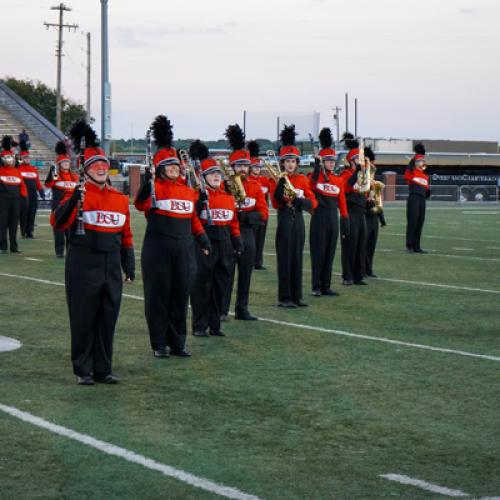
column 31, row 178
column 106, row 220
column 223, row 214
column 174, row 215
column 352, row 194
column 12, row 183
column 265, row 184
column 253, row 210
column 418, row 181
column 329, row 191
column 305, row 199
column 65, row 183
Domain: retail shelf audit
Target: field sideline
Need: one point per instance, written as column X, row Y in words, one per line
column 389, row 390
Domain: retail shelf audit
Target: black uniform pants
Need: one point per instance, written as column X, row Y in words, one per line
column 415, row 217
column 93, row 293
column 212, row 281
column 323, row 235
column 290, row 239
column 29, row 206
column 260, row 240
column 372, row 225
column 245, row 264
column 354, row 246
column 9, row 220
column 61, row 240
column 168, row 270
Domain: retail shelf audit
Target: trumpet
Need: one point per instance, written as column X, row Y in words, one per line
column 276, row 175
column 234, row 182
column 192, row 178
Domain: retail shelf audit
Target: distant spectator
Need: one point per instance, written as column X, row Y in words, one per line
column 23, row 136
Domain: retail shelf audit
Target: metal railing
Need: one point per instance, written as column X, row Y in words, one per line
column 456, row 194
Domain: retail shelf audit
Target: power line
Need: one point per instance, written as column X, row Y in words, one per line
column 60, row 26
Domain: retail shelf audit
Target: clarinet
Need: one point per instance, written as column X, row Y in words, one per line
column 203, row 189
column 151, row 167
column 315, row 150
column 80, row 230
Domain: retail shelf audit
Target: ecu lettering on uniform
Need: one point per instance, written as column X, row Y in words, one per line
column 65, row 185
column 11, row 180
column 104, row 219
column 29, row 175
column 176, row 206
column 328, row 189
column 248, row 203
column 420, row 180
column 218, row 215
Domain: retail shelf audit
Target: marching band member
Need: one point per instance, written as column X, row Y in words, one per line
column 61, row 181
column 291, row 196
column 100, row 245
column 374, row 217
column 252, row 211
column 419, row 192
column 356, row 184
column 168, row 259
column 31, row 179
column 216, row 210
column 12, row 192
column 329, row 191
column 256, row 165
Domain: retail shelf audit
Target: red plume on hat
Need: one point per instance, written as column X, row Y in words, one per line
column 62, row 152
column 164, row 136
column 83, row 135
column 25, row 150
column 419, row 150
column 352, row 144
column 326, row 141
column 7, row 146
column 288, row 148
column 254, row 149
column 199, row 151
column 236, row 138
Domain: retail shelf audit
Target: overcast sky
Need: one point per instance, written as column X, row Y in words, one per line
column 419, row 68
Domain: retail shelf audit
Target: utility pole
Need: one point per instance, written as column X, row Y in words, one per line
column 105, row 83
column 60, row 26
column 88, row 77
column 356, row 117
column 346, row 112
column 336, row 117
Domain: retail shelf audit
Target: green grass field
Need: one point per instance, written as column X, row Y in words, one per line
column 301, row 410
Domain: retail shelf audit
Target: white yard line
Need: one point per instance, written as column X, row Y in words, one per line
column 33, row 259
column 313, row 328
column 423, row 485
column 462, row 249
column 8, row 344
column 443, row 237
column 129, row 456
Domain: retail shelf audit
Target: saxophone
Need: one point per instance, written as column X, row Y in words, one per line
column 233, row 182
column 276, row 175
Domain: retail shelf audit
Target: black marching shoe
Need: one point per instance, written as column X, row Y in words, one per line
column 409, row 250
column 200, row 333
column 224, row 317
column 360, row 282
column 60, row 255
column 347, row 282
column 217, row 333
column 84, row 380
column 245, row 316
column 107, row 379
column 260, row 268
column 316, row 292
column 15, row 251
column 371, row 275
column 419, row 250
column 301, row 303
column 287, row 304
column 329, row 292
column 181, row 353
column 160, row 353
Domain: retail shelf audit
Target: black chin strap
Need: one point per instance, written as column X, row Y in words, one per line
column 93, row 180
